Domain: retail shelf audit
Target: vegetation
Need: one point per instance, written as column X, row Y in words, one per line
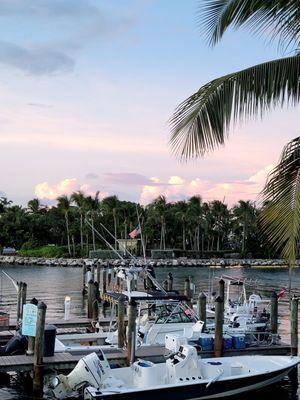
column 202, row 122
column 190, row 228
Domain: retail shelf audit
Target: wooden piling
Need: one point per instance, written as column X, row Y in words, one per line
column 187, row 291
column 98, row 273
column 274, row 313
column 31, row 339
column 91, row 298
column 165, row 285
column 103, row 281
column 201, row 308
column 170, row 282
column 83, row 279
column 23, row 297
column 131, row 331
column 19, row 301
column 219, row 316
column 95, row 313
column 38, row 379
column 121, row 324
column 294, row 326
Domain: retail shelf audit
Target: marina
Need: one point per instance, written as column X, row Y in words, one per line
column 76, row 325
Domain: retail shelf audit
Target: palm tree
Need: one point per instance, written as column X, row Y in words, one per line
column 64, row 204
column 34, row 206
column 158, row 211
column 201, row 123
column 245, row 214
column 280, row 216
column 182, row 215
column 80, row 201
column 93, row 207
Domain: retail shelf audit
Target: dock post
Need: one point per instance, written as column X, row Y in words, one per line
column 98, row 273
column 19, row 301
column 31, row 339
column 219, row 310
column 222, row 290
column 91, row 297
column 170, row 281
column 274, row 313
column 23, row 298
column 95, row 312
column 103, row 281
column 201, row 308
column 131, row 332
column 121, row 325
column 187, row 291
column 165, row 284
column 83, row 279
column 294, row 326
column 38, row 378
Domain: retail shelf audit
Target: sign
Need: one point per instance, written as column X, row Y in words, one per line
column 30, row 313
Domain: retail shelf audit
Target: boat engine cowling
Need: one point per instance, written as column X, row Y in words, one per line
column 90, row 370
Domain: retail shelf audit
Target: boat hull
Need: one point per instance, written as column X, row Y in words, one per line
column 218, row 389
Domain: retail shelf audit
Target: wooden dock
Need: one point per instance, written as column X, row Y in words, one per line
column 67, row 361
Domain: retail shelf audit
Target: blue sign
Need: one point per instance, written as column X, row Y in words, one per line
column 30, row 313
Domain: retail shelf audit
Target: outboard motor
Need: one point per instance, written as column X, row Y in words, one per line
column 17, row 345
column 91, row 370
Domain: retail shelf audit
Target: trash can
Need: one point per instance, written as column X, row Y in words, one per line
column 49, row 340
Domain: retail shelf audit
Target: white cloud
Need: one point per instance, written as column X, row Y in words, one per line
column 66, row 186
column 178, row 188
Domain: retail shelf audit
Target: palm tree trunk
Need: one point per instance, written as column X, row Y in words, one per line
column 244, row 238
column 218, row 243
column 115, row 229
column 87, row 244
column 68, row 234
column 81, row 231
column 93, row 233
column 183, row 237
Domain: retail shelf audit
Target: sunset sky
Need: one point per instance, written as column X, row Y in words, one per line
column 87, row 88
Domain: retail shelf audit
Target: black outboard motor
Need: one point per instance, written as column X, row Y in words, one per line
column 17, row 345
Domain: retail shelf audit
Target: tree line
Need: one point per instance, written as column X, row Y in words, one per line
column 192, row 227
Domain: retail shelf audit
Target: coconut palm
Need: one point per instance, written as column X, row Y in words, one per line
column 201, row 123
column 245, row 214
column 80, row 200
column 181, row 214
column 280, row 216
column 64, row 205
column 34, row 206
column 195, row 215
column 92, row 205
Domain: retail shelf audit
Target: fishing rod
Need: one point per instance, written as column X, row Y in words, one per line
column 14, row 282
column 104, row 240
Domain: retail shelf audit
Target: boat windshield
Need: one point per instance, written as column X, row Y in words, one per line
column 173, row 315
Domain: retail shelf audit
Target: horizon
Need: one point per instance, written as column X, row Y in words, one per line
column 75, row 101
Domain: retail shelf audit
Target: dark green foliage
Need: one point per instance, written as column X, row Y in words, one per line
column 191, row 228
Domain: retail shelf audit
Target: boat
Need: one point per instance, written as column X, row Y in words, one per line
column 183, row 376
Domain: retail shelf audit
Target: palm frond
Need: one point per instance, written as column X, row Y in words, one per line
column 280, row 218
column 201, row 123
column 276, row 18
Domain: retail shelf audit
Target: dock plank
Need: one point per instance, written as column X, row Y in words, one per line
column 68, row 360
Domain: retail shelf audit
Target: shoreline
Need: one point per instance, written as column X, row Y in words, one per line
column 179, row 262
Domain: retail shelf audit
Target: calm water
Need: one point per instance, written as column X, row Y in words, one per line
column 52, row 284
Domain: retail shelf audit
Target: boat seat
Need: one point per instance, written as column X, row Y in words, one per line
column 193, row 332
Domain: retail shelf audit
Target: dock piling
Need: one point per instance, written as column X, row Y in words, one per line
column 83, row 279
column 294, row 326
column 170, row 282
column 121, row 324
column 91, row 297
column 219, row 317
column 38, row 350
column 201, row 308
column 131, row 331
column 274, row 313
column 22, row 293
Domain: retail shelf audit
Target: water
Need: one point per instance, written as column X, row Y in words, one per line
column 52, row 284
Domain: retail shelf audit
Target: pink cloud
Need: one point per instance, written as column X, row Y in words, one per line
column 231, row 192
column 66, row 186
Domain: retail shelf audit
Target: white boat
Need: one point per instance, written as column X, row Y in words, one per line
column 183, row 376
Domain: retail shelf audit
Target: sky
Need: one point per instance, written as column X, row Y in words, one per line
column 86, row 91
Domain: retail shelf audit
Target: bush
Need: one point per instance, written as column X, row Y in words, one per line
column 103, row 254
column 45, row 251
column 157, row 254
